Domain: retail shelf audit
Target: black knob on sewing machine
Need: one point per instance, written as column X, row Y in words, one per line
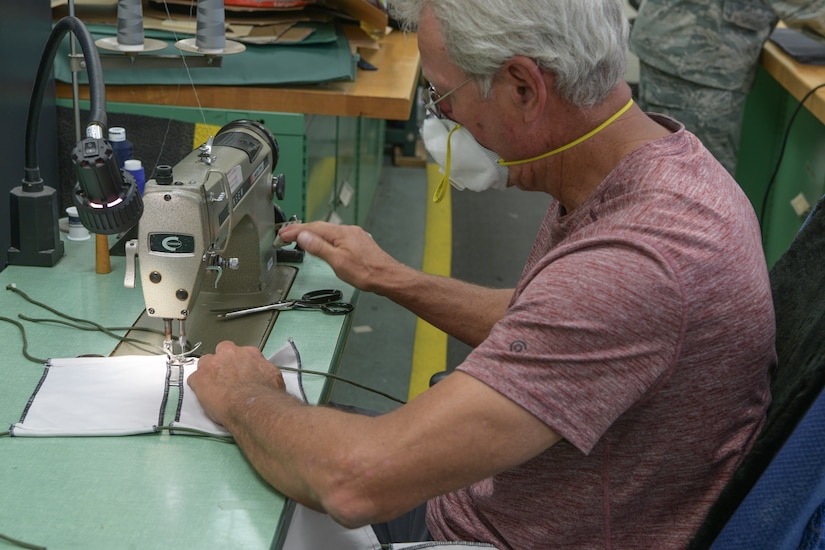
column 279, row 185
column 163, row 174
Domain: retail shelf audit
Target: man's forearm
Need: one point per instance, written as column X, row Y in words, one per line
column 362, row 469
column 263, row 423
column 326, row 459
column 464, row 311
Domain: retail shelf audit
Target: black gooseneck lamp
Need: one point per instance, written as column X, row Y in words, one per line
column 107, row 198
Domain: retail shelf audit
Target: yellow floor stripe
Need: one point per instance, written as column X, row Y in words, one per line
column 430, row 347
column 320, row 188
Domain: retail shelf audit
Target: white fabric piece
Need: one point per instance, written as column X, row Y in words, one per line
column 311, row 530
column 192, row 416
column 96, row 396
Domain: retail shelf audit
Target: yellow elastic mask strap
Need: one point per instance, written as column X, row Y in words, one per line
column 441, row 190
column 585, row 137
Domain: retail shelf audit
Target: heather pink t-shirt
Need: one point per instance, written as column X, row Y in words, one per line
column 642, row 331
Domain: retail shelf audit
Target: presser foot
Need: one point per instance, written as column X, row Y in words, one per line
column 177, row 360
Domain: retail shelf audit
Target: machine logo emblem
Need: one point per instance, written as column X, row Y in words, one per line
column 171, row 243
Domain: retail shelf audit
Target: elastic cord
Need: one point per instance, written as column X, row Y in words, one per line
column 585, row 137
column 441, row 190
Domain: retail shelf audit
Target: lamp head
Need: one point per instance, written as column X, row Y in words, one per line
column 107, row 198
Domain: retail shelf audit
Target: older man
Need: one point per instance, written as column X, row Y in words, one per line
column 613, row 392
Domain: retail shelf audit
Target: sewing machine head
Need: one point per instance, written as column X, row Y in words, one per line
column 208, row 227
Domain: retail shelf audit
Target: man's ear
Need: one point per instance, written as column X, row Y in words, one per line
column 527, row 86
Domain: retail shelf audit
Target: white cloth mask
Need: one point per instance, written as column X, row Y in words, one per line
column 463, row 161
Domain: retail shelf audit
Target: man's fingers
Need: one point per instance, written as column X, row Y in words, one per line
column 316, row 245
column 290, row 232
column 308, row 242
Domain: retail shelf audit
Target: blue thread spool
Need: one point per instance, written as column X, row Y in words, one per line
column 135, row 167
column 120, row 145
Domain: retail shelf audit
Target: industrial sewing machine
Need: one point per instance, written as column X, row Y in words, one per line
column 206, row 239
column 207, row 226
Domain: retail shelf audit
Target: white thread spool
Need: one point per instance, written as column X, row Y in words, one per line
column 77, row 231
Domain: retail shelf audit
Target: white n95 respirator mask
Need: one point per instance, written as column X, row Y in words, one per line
column 464, row 163
column 468, row 165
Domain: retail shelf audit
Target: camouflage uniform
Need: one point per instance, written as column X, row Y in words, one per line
column 698, row 60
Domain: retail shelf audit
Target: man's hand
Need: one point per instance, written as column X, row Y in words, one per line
column 351, row 252
column 231, row 375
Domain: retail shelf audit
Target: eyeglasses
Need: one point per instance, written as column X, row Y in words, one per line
column 434, row 99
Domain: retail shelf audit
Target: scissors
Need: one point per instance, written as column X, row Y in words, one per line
column 326, row 300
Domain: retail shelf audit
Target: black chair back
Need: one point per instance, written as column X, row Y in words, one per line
column 798, row 288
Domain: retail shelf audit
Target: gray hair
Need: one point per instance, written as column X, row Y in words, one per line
column 582, row 42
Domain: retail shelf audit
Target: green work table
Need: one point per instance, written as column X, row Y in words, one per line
column 146, row 491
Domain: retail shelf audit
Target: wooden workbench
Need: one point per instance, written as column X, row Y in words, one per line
column 386, row 93
column 797, row 78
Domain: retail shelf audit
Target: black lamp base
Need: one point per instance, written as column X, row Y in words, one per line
column 35, row 235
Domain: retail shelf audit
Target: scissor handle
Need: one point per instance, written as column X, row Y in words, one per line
column 337, row 308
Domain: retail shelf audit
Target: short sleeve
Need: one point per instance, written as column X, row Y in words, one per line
column 591, row 332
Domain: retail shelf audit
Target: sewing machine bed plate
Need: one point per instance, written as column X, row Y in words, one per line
column 205, row 326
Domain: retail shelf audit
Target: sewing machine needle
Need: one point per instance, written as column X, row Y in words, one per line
column 182, row 337
column 167, row 342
